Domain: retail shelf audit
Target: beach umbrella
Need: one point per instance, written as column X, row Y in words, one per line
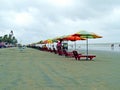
column 49, row 41
column 87, row 35
column 40, row 42
column 54, row 40
column 45, row 42
column 60, row 38
column 73, row 38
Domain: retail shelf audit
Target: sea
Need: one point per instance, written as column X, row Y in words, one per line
column 113, row 47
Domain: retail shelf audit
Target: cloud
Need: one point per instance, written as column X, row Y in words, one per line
column 37, row 20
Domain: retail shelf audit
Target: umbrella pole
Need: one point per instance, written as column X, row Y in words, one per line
column 87, row 49
column 75, row 45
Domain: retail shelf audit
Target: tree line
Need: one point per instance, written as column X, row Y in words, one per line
column 8, row 39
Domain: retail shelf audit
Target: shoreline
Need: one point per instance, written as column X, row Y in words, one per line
column 90, row 50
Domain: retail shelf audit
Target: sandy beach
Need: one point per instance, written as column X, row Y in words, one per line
column 32, row 69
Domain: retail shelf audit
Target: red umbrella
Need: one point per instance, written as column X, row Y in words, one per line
column 73, row 38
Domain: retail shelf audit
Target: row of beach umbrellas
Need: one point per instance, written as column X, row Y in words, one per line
column 81, row 35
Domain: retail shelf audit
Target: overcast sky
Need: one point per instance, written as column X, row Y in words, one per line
column 35, row 20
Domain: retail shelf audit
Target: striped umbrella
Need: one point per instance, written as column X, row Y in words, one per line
column 87, row 35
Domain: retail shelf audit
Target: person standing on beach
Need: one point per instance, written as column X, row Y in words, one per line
column 119, row 45
column 112, row 46
column 59, row 47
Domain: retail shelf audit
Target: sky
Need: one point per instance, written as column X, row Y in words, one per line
column 35, row 20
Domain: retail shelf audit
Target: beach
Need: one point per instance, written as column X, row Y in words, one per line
column 32, row 69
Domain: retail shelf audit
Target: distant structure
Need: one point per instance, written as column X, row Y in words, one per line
column 11, row 33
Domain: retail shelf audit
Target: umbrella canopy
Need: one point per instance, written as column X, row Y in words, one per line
column 49, row 41
column 45, row 41
column 73, row 38
column 54, row 40
column 87, row 35
column 40, row 42
column 60, row 38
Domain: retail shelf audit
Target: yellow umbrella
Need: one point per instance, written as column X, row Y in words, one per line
column 49, row 41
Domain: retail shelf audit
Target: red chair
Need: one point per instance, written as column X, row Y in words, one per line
column 79, row 56
column 68, row 54
column 60, row 52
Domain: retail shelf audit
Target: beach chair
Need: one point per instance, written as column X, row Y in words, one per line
column 79, row 56
column 50, row 50
column 68, row 54
column 60, row 52
column 55, row 51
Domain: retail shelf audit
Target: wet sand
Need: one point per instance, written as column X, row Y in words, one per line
column 32, row 69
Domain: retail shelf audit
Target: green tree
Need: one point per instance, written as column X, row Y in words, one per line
column 8, row 39
column 1, row 39
column 5, row 38
column 14, row 40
